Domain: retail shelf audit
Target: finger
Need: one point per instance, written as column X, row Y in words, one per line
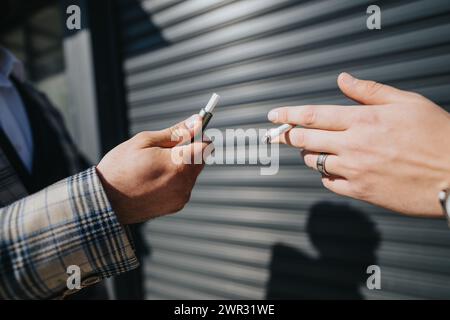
column 369, row 92
column 178, row 134
column 191, row 154
column 332, row 165
column 338, row 185
column 325, row 117
column 312, row 140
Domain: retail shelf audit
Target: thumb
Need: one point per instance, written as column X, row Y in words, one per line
column 177, row 134
column 368, row 92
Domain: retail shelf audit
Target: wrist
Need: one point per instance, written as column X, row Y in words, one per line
column 114, row 196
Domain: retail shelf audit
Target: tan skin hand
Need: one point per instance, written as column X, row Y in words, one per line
column 140, row 178
column 392, row 151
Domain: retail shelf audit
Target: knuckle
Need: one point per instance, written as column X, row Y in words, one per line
column 300, row 138
column 142, row 136
column 352, row 167
column 309, row 115
column 347, row 143
column 176, row 133
column 282, row 115
column 354, row 145
column 179, row 132
column 308, row 160
column 367, row 116
column 417, row 96
column 373, row 87
column 360, row 186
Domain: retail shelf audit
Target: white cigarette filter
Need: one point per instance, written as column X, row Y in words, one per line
column 212, row 103
column 275, row 132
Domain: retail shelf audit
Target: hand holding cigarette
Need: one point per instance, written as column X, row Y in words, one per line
column 140, row 178
column 392, row 151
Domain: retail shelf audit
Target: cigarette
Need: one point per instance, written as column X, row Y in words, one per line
column 206, row 112
column 275, row 132
column 213, row 101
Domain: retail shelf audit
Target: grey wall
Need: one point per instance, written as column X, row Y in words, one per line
column 250, row 236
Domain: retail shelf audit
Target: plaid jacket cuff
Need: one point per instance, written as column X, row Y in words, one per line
column 70, row 223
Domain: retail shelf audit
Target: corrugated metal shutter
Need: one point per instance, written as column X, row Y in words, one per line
column 244, row 235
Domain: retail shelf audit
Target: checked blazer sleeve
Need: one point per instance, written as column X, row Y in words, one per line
column 68, row 223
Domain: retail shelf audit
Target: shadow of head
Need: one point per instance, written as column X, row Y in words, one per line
column 346, row 241
column 340, row 232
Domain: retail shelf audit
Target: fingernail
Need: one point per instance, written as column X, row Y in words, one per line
column 190, row 123
column 272, row 116
column 347, row 79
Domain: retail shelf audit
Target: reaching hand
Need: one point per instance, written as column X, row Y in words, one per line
column 393, row 151
column 140, row 177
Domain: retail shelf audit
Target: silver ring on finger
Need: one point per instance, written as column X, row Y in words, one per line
column 321, row 166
